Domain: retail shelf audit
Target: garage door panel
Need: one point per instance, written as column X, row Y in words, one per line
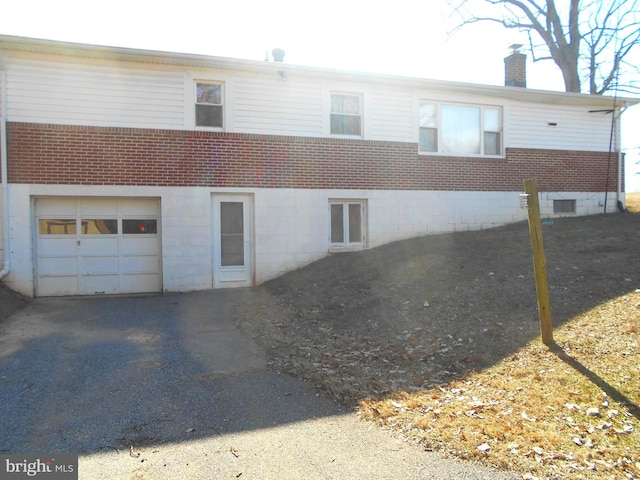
column 58, row 285
column 99, row 265
column 97, row 207
column 99, row 284
column 58, row 266
column 139, row 206
column 83, row 247
column 58, row 247
column 139, row 245
column 99, row 246
column 141, row 283
column 139, row 264
column 56, row 206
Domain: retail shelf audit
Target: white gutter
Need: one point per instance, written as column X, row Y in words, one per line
column 6, row 264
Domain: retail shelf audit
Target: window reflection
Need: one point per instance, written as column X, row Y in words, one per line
column 99, row 226
column 139, row 226
column 58, row 226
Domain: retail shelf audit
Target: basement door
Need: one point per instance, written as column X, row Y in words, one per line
column 88, row 246
column 232, row 241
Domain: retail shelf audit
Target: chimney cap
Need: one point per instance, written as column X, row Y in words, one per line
column 515, row 47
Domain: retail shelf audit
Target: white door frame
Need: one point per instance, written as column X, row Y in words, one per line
column 241, row 274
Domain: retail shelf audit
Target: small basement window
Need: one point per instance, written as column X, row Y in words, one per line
column 564, row 206
column 347, row 227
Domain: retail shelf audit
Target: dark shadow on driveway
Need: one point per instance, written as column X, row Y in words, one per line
column 85, row 374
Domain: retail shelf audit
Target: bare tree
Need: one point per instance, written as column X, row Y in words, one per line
column 593, row 42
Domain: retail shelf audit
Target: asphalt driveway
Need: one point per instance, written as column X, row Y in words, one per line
column 166, row 386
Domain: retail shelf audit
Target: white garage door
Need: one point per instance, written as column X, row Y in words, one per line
column 88, row 246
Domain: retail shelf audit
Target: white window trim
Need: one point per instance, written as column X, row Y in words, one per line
column 482, row 106
column 326, row 117
column 347, row 246
column 190, row 84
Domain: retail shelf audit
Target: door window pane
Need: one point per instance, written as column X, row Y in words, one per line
column 337, row 224
column 231, row 234
column 57, row 226
column 131, row 226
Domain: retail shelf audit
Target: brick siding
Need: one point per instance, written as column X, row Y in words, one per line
column 59, row 154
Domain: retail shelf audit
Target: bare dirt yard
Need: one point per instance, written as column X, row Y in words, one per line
column 437, row 338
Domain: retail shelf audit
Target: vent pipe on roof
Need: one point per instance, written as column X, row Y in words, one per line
column 278, row 55
column 515, row 68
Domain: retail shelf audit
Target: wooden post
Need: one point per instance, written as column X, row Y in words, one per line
column 539, row 262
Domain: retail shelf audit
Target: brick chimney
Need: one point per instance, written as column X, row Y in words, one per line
column 515, row 68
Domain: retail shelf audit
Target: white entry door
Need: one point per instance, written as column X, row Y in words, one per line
column 232, row 241
column 88, row 246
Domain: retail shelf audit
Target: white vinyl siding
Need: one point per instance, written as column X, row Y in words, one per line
column 99, row 95
column 574, row 129
column 277, row 107
column 136, row 95
column 391, row 115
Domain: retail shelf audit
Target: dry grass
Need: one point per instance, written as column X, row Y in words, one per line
column 569, row 412
column 633, row 202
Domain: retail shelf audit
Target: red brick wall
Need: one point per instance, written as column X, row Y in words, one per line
column 53, row 154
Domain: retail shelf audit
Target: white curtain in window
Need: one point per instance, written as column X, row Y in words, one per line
column 460, row 129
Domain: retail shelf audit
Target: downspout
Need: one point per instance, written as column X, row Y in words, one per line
column 620, row 158
column 6, row 263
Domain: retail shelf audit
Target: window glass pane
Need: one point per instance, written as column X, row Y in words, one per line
column 209, row 116
column 345, row 125
column 355, row 223
column 231, row 250
column 345, row 104
column 491, row 143
column 231, row 218
column 492, row 120
column 210, row 93
column 428, row 115
column 428, row 140
column 337, row 225
column 460, row 129
column 99, row 227
column 564, row 206
column 131, row 226
column 57, row 227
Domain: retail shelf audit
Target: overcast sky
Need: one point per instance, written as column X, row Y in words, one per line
column 401, row 37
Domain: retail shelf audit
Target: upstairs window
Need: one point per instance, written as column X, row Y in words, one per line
column 460, row 129
column 346, row 114
column 209, row 107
